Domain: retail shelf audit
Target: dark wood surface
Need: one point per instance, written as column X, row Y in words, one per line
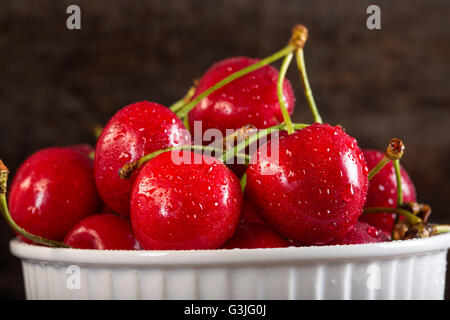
column 55, row 84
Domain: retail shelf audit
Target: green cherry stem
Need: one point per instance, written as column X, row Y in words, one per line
column 284, row 66
column 183, row 101
column 258, row 135
column 6, row 214
column 413, row 219
column 380, row 165
column 126, row 171
column 240, row 73
column 243, row 182
column 306, row 87
column 394, row 151
column 97, row 131
column 398, row 177
column 440, row 228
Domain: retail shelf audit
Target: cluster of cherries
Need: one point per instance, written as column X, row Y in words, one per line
column 128, row 193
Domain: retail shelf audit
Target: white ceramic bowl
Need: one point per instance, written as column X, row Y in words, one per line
column 413, row 269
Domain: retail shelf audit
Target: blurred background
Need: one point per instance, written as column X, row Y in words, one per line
column 56, row 84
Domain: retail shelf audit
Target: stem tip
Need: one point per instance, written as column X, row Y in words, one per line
column 299, row 36
column 395, row 149
column 127, row 170
column 3, row 177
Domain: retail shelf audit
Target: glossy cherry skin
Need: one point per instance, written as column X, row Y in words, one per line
column 364, row 233
column 52, row 190
column 133, row 132
column 383, row 191
column 254, row 236
column 251, row 99
column 185, row 205
column 316, row 189
column 103, row 232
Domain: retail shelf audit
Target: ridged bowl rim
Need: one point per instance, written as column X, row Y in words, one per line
column 314, row 254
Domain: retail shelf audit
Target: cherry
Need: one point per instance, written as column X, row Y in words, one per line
column 134, row 131
column 51, row 191
column 192, row 204
column 249, row 214
column 102, row 232
column 250, row 99
column 254, row 236
column 106, row 209
column 316, row 189
column 364, row 233
column 383, row 191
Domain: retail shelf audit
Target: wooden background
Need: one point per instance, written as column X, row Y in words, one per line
column 55, row 84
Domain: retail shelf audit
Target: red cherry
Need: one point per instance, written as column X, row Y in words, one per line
column 102, row 232
column 316, row 190
column 106, row 209
column 249, row 214
column 133, row 132
column 185, row 206
column 251, row 99
column 364, row 233
column 383, row 191
column 254, row 236
column 52, row 190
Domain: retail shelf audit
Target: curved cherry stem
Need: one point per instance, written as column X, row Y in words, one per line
column 284, row 66
column 431, row 229
column 6, row 214
column 240, row 73
column 440, row 228
column 258, row 135
column 183, row 101
column 394, row 151
column 307, row 88
column 186, row 122
column 380, row 165
column 126, row 171
column 413, row 219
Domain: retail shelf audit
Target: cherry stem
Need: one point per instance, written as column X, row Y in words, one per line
column 307, row 89
column 186, row 122
column 380, row 165
column 240, row 73
column 284, row 66
column 126, row 171
column 440, row 228
column 183, row 101
column 394, row 151
column 413, row 219
column 398, row 177
column 261, row 133
column 97, row 131
column 6, row 214
column 243, row 182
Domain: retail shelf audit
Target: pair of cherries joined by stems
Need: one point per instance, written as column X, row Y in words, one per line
column 314, row 193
